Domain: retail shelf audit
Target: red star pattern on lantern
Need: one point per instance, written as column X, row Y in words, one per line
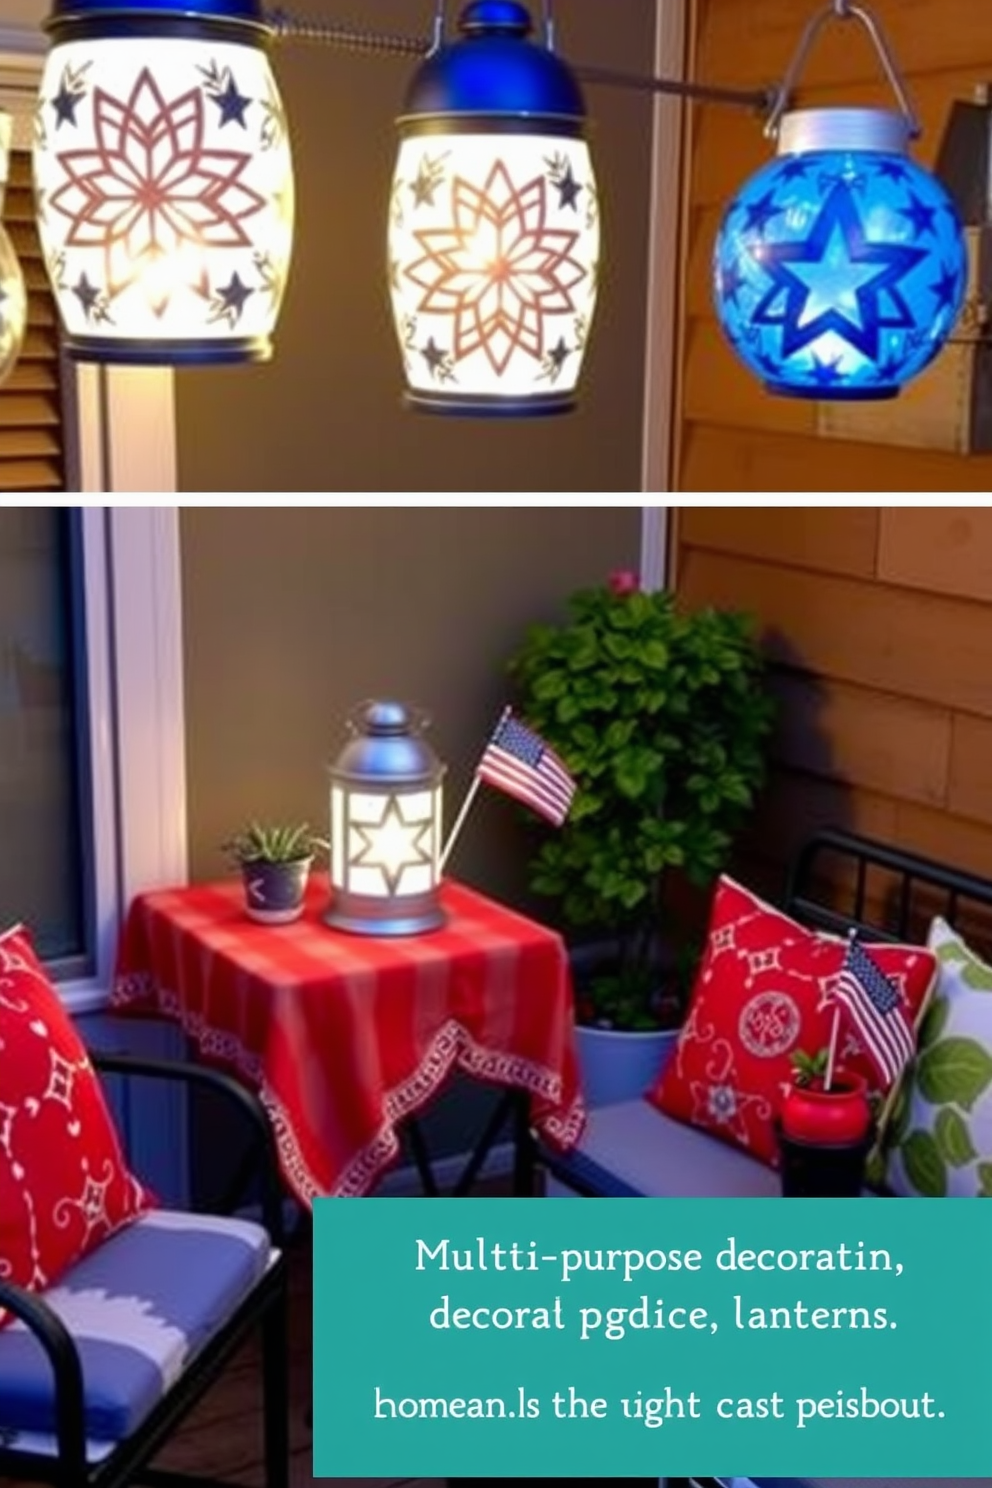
column 150, row 191
column 499, row 269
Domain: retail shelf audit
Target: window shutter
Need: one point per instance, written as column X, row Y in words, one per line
column 32, row 447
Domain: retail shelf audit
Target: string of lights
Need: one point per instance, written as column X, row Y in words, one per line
column 164, row 181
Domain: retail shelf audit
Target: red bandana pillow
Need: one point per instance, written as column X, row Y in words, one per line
column 763, row 991
column 64, row 1184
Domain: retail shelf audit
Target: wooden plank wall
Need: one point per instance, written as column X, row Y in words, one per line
column 878, row 622
column 733, row 435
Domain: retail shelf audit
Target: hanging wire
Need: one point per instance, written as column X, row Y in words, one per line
column 842, row 10
column 350, row 38
column 549, row 24
column 359, row 39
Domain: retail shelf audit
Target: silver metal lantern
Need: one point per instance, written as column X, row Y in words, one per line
column 386, row 822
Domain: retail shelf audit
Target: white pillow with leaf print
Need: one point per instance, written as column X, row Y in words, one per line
column 940, row 1136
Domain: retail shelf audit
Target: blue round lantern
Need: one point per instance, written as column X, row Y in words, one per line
column 840, row 268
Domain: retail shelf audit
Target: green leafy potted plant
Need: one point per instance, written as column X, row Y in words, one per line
column 663, row 717
column 275, row 862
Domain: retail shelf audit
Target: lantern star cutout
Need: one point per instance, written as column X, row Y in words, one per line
column 394, row 845
column 836, row 281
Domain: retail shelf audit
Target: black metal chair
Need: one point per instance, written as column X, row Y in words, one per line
column 87, row 1399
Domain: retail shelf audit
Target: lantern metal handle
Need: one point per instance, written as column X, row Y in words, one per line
column 438, row 27
column 842, row 10
column 549, row 24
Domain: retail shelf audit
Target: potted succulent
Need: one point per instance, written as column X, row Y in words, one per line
column 663, row 717
column 275, row 862
column 825, row 1129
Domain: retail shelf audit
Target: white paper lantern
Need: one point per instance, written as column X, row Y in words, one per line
column 494, row 230
column 164, row 191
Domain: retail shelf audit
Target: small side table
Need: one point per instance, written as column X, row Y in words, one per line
column 347, row 1037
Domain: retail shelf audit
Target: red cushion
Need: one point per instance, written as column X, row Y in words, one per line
column 763, row 991
column 64, row 1184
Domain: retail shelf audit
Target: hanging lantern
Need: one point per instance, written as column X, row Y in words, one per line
column 13, row 294
column 840, row 269
column 386, row 802
column 494, row 224
column 163, row 180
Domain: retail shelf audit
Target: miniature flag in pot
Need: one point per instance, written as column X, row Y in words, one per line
column 517, row 761
column 877, row 1012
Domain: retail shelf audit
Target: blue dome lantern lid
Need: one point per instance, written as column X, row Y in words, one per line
column 79, row 19
column 495, row 71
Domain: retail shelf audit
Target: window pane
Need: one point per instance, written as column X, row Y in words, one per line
column 41, row 877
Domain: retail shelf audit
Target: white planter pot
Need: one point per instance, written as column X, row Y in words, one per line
column 620, row 1066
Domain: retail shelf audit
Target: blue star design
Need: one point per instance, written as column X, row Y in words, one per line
column 825, row 374
column 65, row 104
column 568, row 189
column 893, row 170
column 232, row 298
column 760, row 213
column 87, row 294
column 919, row 215
column 731, row 281
column 836, row 262
column 890, row 368
column 770, row 365
column 946, row 288
column 792, row 169
column 231, row 103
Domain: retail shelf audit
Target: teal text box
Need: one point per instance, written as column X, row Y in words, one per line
column 526, row 1338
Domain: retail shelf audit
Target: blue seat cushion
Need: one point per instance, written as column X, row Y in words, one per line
column 633, row 1150
column 139, row 1308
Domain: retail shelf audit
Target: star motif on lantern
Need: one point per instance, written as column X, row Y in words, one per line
column 555, row 360
column 438, row 361
column 731, row 281
column 71, row 92
column 65, row 104
column 91, row 298
column 222, row 90
column 393, row 845
column 229, row 301
column 760, row 213
column 151, row 194
column 835, row 280
column 232, row 104
column 428, row 180
column 920, row 217
column 946, row 288
column 498, row 268
column 562, row 178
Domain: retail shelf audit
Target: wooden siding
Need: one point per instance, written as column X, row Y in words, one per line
column 878, row 622
column 733, row 436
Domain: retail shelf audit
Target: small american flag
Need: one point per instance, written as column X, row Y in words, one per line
column 517, row 761
column 877, row 1012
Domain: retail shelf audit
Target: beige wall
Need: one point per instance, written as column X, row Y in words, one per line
column 878, row 621
column 292, row 615
column 325, row 415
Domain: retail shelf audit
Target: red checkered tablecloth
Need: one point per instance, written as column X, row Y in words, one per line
column 342, row 1035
